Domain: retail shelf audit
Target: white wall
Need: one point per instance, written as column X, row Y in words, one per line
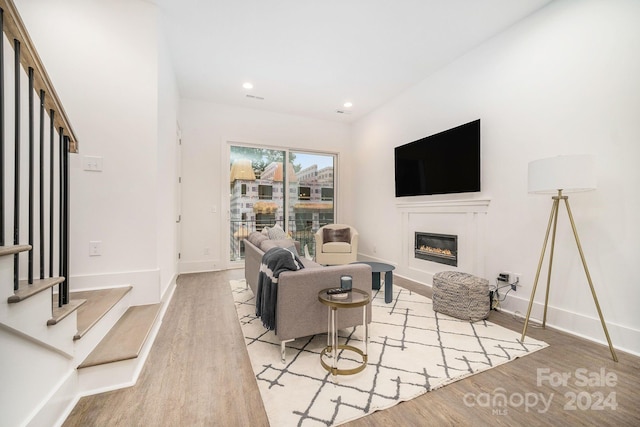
column 112, row 73
column 206, row 130
column 563, row 81
column 167, row 169
column 102, row 57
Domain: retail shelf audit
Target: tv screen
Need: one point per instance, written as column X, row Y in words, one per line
column 447, row 162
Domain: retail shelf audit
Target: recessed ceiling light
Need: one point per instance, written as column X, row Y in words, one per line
column 248, row 85
column 348, row 104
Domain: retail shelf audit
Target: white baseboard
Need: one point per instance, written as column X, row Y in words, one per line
column 584, row 326
column 624, row 338
column 200, row 266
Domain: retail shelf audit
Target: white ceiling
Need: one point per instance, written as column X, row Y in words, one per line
column 308, row 57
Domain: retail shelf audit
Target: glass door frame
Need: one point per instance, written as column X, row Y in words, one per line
column 225, row 222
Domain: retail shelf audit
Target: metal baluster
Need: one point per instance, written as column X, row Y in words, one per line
column 61, row 215
column 66, row 221
column 51, row 136
column 41, row 176
column 31, row 172
column 2, row 183
column 16, row 182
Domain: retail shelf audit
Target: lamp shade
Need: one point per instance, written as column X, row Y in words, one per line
column 567, row 173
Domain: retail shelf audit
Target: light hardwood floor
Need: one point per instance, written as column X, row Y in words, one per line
column 198, row 374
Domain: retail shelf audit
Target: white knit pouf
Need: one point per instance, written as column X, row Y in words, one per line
column 461, row 295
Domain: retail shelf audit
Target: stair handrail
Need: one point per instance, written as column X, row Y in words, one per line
column 14, row 28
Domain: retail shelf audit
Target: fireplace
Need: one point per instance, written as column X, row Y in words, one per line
column 440, row 248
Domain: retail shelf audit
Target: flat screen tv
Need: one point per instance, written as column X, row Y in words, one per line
column 444, row 163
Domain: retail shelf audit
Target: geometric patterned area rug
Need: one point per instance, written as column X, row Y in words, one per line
column 412, row 350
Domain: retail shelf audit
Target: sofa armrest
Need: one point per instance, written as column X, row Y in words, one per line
column 299, row 312
column 252, row 259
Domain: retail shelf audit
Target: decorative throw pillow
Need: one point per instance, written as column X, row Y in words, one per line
column 277, row 233
column 256, row 238
column 292, row 249
column 265, row 231
column 336, row 235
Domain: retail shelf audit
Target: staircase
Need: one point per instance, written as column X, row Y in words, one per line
column 56, row 345
column 95, row 343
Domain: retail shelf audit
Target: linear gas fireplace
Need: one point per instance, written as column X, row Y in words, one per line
column 441, row 248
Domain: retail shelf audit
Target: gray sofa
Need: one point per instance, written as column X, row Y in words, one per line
column 298, row 311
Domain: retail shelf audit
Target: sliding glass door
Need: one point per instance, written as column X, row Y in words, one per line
column 263, row 193
column 311, row 200
column 257, row 196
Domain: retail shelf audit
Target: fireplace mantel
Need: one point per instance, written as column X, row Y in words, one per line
column 462, row 205
column 463, row 217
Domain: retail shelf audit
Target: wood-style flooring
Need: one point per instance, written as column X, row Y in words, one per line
column 198, row 374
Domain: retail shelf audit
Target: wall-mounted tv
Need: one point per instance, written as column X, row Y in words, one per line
column 447, row 162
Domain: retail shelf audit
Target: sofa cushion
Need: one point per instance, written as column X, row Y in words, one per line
column 269, row 244
column 309, row 263
column 336, row 235
column 336, row 247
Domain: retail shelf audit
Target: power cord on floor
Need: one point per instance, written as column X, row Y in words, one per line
column 495, row 294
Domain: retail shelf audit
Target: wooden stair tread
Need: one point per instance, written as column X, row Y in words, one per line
column 25, row 290
column 60, row 313
column 98, row 303
column 13, row 249
column 125, row 340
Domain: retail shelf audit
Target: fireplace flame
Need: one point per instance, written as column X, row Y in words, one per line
column 437, row 251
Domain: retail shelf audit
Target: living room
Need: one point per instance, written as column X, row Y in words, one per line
column 561, row 81
column 540, row 91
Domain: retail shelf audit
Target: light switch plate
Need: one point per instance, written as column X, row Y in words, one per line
column 92, row 163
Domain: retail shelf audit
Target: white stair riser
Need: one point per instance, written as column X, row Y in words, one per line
column 30, row 317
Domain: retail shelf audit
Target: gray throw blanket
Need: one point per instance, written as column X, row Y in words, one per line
column 274, row 262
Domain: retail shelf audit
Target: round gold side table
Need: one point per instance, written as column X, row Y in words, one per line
column 355, row 298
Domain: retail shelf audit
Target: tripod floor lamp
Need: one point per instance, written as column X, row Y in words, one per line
column 553, row 176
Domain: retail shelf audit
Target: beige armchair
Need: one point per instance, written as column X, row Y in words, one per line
column 336, row 244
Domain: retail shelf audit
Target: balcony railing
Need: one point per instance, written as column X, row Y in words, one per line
column 302, row 231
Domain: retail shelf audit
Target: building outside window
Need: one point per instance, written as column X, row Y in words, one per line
column 265, row 219
column 325, row 218
column 265, row 192
column 304, row 193
column 327, row 194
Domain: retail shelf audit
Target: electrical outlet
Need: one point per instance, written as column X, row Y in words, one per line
column 95, row 248
column 515, row 281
